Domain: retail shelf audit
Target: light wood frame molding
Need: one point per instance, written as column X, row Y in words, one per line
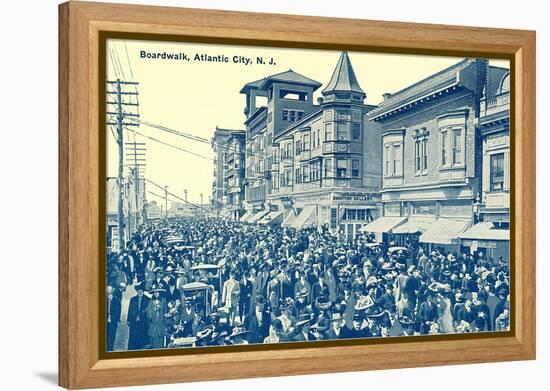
column 80, row 23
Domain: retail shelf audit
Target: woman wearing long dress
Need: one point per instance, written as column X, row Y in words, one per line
column 445, row 318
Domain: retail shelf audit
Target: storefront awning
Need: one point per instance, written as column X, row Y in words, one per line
column 383, row 224
column 258, row 216
column 273, row 217
column 414, row 225
column 290, row 217
column 444, row 231
column 306, row 218
column 244, row 218
column 485, row 231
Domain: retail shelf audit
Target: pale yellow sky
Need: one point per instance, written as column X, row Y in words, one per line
column 194, row 96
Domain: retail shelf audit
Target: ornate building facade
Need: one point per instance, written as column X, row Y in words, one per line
column 312, row 164
column 431, row 165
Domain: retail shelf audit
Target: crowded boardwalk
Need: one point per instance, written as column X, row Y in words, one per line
column 190, row 282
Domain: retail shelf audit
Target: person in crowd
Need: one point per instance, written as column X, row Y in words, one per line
column 137, row 319
column 112, row 318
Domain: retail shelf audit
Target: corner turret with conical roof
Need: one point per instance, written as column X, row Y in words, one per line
column 343, row 85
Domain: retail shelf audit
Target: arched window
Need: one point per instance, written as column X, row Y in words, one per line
column 505, row 83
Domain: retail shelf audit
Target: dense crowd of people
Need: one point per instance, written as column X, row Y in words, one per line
column 215, row 282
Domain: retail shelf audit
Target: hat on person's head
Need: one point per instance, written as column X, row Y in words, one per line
column 323, row 303
column 110, row 290
column 374, row 312
column 286, row 304
column 158, row 269
column 157, row 288
column 406, row 321
column 357, row 317
column 139, row 286
column 303, row 319
column 302, row 293
column 259, row 300
column 372, row 280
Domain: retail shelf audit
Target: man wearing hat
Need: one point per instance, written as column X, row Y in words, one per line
column 320, row 288
column 427, row 312
column 302, row 331
column 113, row 317
column 356, row 331
column 258, row 321
column 137, row 319
column 189, row 318
column 302, row 285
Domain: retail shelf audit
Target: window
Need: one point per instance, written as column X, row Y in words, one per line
column 315, row 169
column 292, row 116
column 318, row 137
column 298, row 176
column 444, row 158
column 417, row 159
column 497, row 172
column 305, row 174
column 356, row 132
column 275, row 182
column 298, row 147
column 457, row 146
column 342, row 168
column 276, row 155
column 387, row 161
column 425, row 154
column 305, row 142
column 397, row 159
column 342, row 132
column 328, row 169
column 345, row 115
column 285, row 115
column 361, row 214
column 288, row 177
column 355, row 168
column 328, row 132
column 299, row 115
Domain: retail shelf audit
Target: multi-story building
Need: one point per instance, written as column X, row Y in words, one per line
column 492, row 210
column 228, row 183
column 431, row 156
column 312, row 164
column 233, row 175
column 287, row 97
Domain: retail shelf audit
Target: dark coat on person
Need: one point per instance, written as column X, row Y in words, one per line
column 258, row 331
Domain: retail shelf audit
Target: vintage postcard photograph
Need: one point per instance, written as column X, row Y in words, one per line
column 265, row 195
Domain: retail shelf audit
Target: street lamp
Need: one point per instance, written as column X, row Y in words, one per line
column 477, row 209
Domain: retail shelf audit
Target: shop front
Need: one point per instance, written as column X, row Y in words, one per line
column 487, row 238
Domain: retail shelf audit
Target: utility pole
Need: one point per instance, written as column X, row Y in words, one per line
column 115, row 98
column 166, row 201
column 135, row 154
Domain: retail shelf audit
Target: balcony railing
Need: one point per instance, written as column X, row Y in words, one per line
column 494, row 105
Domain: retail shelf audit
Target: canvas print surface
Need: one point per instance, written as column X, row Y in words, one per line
column 260, row 195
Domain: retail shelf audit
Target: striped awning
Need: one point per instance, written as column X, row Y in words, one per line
column 444, row 231
column 414, row 225
column 485, row 231
column 383, row 224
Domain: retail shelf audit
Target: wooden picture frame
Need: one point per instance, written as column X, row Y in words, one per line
column 81, row 365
